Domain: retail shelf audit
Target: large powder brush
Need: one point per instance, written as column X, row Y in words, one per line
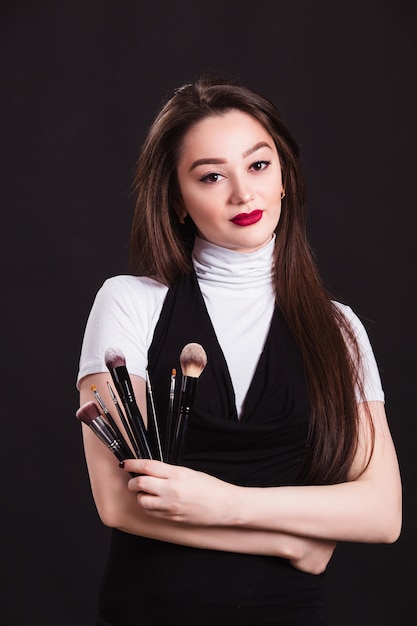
column 193, row 360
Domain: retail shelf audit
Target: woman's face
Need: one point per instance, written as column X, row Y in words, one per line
column 230, row 181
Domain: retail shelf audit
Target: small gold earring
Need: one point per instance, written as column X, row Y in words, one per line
column 282, row 194
column 182, row 219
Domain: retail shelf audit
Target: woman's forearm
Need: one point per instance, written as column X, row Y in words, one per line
column 366, row 509
column 307, row 554
column 118, row 507
column 345, row 512
column 184, row 506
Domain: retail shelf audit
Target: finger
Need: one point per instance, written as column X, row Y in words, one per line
column 156, row 507
column 145, row 484
column 147, row 467
column 150, row 503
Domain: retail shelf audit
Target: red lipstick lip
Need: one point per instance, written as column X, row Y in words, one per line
column 246, row 219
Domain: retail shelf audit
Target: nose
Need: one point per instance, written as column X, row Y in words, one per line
column 241, row 194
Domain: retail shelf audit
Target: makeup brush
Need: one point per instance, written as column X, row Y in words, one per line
column 193, row 360
column 124, row 421
column 152, row 414
column 168, row 429
column 116, row 364
column 109, row 417
column 89, row 413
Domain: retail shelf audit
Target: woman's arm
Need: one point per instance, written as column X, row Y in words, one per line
column 118, row 506
column 365, row 509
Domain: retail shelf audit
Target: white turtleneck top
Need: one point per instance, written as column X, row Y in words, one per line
column 238, row 293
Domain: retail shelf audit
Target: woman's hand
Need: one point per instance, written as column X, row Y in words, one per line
column 183, row 495
column 180, row 494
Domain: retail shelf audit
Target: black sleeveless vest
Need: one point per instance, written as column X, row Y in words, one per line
column 155, row 583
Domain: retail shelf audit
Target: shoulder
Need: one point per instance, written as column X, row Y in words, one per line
column 126, row 285
column 354, row 321
column 345, row 309
column 132, row 292
column 124, row 314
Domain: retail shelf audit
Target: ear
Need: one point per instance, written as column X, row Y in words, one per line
column 181, row 213
column 179, row 209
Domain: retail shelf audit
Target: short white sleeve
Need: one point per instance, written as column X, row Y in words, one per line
column 370, row 373
column 123, row 316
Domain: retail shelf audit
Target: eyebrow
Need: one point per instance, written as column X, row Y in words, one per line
column 216, row 161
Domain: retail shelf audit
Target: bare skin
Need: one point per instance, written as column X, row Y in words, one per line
column 301, row 524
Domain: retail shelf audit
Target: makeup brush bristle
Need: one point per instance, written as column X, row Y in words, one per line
column 193, row 360
column 88, row 412
column 114, row 358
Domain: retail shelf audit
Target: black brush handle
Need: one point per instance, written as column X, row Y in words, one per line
column 122, row 382
column 153, row 426
column 189, row 384
column 126, row 425
column 117, row 432
column 169, row 419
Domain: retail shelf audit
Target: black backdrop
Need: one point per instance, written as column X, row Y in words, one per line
column 81, row 81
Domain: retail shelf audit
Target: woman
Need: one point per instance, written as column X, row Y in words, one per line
column 288, row 450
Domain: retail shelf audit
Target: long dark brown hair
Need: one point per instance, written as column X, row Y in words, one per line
column 161, row 247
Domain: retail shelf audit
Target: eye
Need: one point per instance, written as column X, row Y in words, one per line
column 259, row 165
column 213, row 177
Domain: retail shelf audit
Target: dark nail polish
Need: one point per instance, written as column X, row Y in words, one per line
column 121, row 464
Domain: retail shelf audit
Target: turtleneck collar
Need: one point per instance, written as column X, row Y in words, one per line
column 213, row 263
